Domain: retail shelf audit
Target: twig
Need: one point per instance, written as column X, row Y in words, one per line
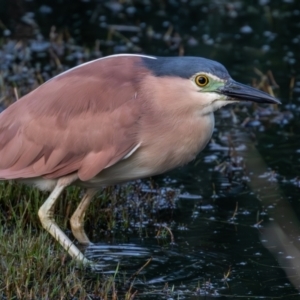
column 140, row 269
column 170, row 232
column 16, row 93
column 235, row 211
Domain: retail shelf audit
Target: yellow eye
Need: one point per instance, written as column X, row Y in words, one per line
column 201, row 80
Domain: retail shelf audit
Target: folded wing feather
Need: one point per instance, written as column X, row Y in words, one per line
column 80, row 123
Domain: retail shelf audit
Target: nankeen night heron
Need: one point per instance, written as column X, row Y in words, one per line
column 111, row 120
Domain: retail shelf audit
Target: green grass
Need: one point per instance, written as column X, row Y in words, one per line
column 32, row 264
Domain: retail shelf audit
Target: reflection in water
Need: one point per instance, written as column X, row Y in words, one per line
column 277, row 238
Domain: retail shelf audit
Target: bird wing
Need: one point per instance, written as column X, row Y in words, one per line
column 82, row 121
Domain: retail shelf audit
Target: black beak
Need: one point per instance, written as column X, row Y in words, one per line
column 237, row 91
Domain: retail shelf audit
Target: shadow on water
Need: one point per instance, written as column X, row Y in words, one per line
column 220, row 213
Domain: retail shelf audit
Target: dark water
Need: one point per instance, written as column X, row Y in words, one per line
column 260, row 160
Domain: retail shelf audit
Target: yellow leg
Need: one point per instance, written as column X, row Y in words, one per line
column 77, row 219
column 46, row 212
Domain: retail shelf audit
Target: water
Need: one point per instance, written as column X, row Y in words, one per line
column 246, row 182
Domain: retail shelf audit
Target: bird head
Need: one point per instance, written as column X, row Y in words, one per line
column 207, row 80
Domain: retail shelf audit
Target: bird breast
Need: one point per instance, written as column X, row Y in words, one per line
column 163, row 148
column 176, row 142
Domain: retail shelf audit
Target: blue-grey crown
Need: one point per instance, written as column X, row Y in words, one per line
column 185, row 66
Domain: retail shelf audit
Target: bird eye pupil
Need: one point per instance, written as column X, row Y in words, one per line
column 201, row 80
